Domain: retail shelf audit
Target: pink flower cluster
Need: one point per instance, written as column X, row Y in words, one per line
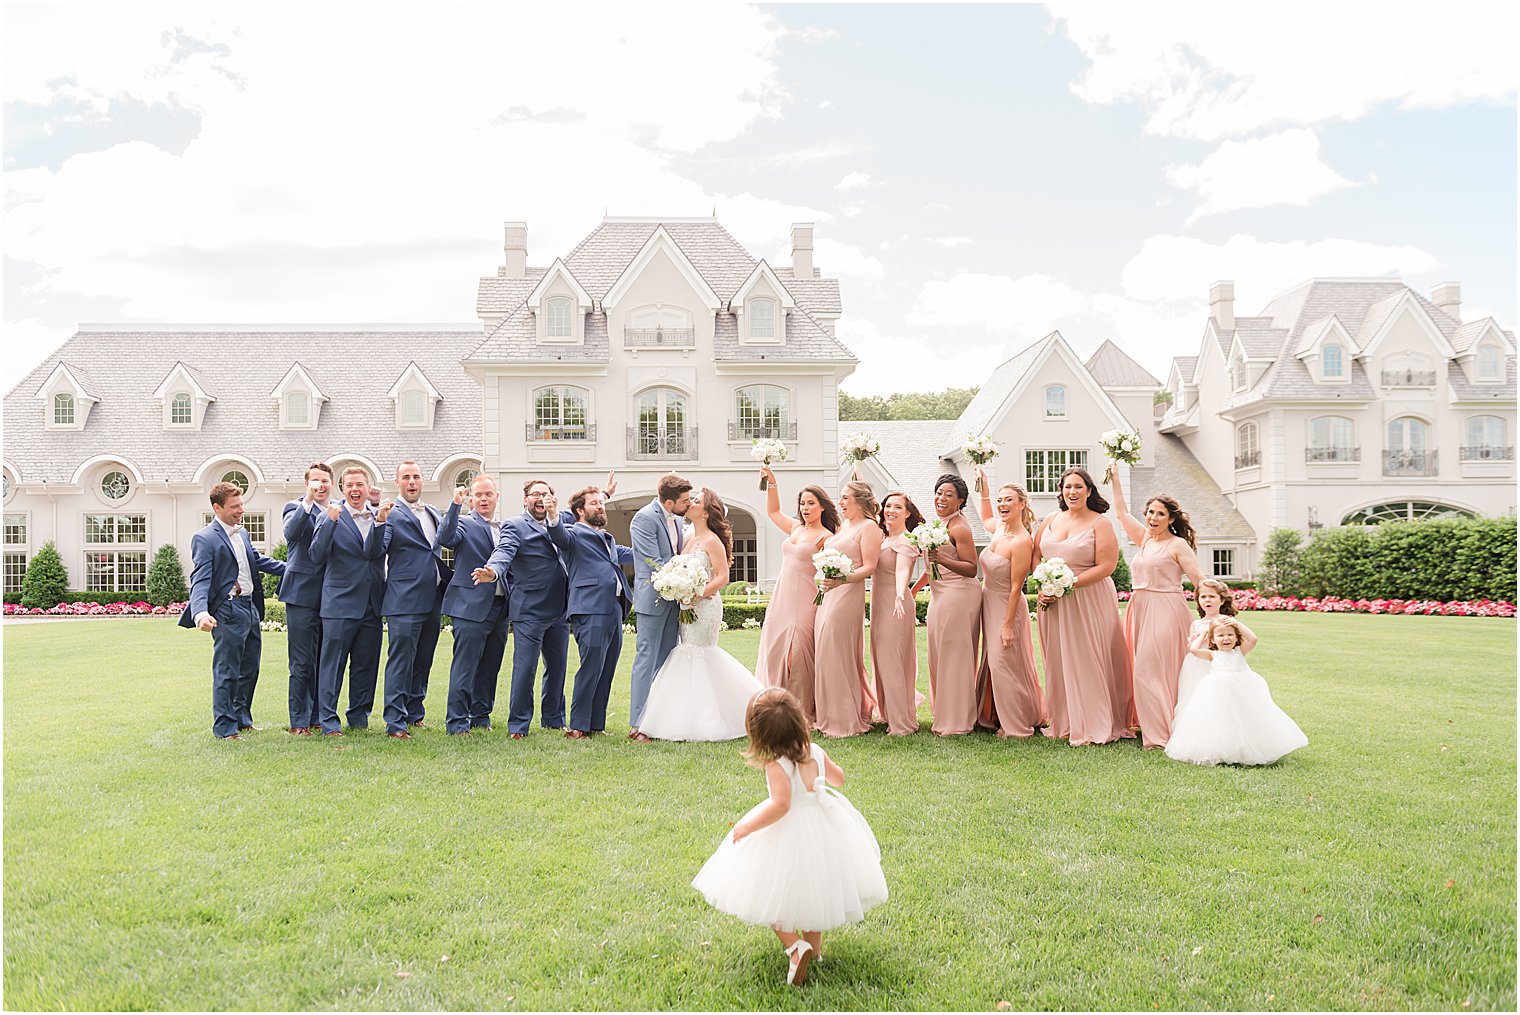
column 138, row 609
column 1249, row 599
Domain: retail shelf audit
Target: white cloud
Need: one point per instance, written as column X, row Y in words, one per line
column 854, row 181
column 1028, row 307
column 1215, row 70
column 823, row 151
column 949, row 242
column 847, row 262
column 897, row 362
column 1282, row 169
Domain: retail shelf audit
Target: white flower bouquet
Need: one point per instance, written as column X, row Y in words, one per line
column 830, row 564
column 1052, row 577
column 980, row 451
column 858, row 446
column 930, row 536
column 766, row 450
column 1120, row 446
column 681, row 579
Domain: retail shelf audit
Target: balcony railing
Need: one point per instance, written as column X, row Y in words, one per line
column 1487, row 453
column 745, row 431
column 1249, row 460
column 586, row 432
column 668, row 444
column 1409, row 463
column 659, row 338
column 1409, row 378
column 1333, row 454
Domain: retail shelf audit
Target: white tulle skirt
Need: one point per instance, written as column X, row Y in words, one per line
column 700, row 693
column 816, row 869
column 1231, row 719
column 1192, row 674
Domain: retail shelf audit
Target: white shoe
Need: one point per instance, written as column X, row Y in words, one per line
column 802, row 955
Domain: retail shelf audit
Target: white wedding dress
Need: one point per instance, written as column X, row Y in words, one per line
column 701, row 692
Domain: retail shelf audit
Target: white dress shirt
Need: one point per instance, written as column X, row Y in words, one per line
column 423, row 519
column 244, row 585
column 362, row 518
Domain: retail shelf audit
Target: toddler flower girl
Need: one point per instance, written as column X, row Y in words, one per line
column 804, row 861
column 1213, row 600
column 1231, row 718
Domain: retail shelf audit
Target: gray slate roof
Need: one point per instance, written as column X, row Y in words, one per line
column 1465, row 335
column 1112, row 368
column 978, row 414
column 354, row 368
column 599, row 260
column 1466, row 390
column 1185, row 366
column 1178, row 474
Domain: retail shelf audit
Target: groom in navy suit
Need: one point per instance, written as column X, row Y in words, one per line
column 227, row 599
column 539, row 579
column 415, row 578
column 600, row 598
column 657, row 534
column 349, row 545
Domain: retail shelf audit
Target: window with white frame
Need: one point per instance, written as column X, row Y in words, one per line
column 237, row 478
column 15, row 571
column 1055, row 401
column 661, row 424
column 559, row 414
column 413, row 408
column 1224, row 562
column 761, row 410
column 63, row 409
column 115, row 485
column 297, row 408
column 1332, row 439
column 558, row 321
column 1247, row 446
column 1043, row 468
column 15, row 529
column 1490, row 362
column 16, row 546
column 1332, row 362
column 256, row 523
column 1238, row 375
column 762, row 318
column 181, row 411
column 115, row 553
column 746, row 560
column 1486, row 437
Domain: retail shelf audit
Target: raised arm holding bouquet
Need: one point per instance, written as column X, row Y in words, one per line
column 858, row 447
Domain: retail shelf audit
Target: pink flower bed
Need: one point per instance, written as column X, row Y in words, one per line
column 1248, row 599
column 138, row 609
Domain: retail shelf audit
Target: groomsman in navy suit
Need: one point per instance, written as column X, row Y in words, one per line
column 349, row 545
column 537, row 610
column 301, row 592
column 479, row 612
column 600, row 598
column 227, row 599
column 415, row 577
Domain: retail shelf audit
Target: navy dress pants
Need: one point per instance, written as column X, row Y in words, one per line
column 236, row 644
column 304, row 628
column 530, row 639
column 352, row 645
column 599, row 640
column 412, row 637
column 478, row 648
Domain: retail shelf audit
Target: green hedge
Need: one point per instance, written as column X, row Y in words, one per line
column 1445, row 560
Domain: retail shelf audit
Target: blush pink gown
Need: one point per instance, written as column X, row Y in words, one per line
column 786, row 639
column 839, row 663
column 1156, row 627
column 1009, row 676
column 1087, row 662
column 955, row 622
column 894, row 643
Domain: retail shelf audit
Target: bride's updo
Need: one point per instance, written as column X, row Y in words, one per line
column 717, row 520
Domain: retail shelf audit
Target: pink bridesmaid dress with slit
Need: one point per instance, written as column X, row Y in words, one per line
column 1087, row 662
column 786, row 639
column 839, row 663
column 1009, row 677
column 1156, row 627
column 955, row 623
column 894, row 643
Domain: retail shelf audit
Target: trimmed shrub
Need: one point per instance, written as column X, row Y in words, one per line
column 1442, row 560
column 274, row 609
column 1121, row 575
column 1279, row 570
column 271, row 581
column 166, row 578
column 46, row 581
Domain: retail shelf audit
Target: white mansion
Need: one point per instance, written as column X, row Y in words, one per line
column 662, row 344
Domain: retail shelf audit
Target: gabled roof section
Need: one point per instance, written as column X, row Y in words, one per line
column 1111, row 367
column 1467, row 336
column 413, row 376
column 762, row 270
column 1321, row 332
column 193, row 379
column 558, row 270
column 659, row 242
column 1381, row 316
column 75, row 377
column 297, row 375
column 1183, row 368
column 1178, row 473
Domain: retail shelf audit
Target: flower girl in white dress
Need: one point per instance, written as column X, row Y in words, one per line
column 804, row 861
column 1214, row 600
column 1231, row 718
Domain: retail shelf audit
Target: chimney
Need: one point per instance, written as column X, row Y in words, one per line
column 517, row 250
column 1448, row 297
column 802, row 250
column 1222, row 305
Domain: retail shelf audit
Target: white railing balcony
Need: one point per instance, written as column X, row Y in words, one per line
column 1487, row 453
column 1333, row 453
column 1409, row 463
column 1409, row 378
column 659, row 338
column 584, row 432
column 1248, row 460
column 746, row 430
column 667, row 444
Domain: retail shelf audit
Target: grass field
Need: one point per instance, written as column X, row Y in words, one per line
column 150, row 866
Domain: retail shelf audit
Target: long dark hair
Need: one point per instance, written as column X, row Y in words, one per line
column 915, row 516
column 1181, row 524
column 828, row 515
column 958, row 483
column 1095, row 501
column 717, row 520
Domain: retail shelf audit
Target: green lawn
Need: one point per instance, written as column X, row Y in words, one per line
column 149, row 866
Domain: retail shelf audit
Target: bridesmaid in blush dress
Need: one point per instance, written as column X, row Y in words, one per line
column 1087, row 664
column 786, row 638
column 894, row 617
column 844, row 699
column 1157, row 622
column 1011, row 695
column 955, row 614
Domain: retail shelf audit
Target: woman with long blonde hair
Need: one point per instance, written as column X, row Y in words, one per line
column 1010, row 684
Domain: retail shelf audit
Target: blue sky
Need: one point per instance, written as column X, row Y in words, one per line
column 978, row 174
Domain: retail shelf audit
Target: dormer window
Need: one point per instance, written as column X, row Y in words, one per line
column 415, row 399
column 413, row 408
column 760, row 306
column 299, row 400
column 762, row 319
column 1055, row 401
column 184, row 398
column 559, row 304
column 181, row 412
column 559, row 323
column 63, row 409
column 1490, row 362
column 298, row 409
column 67, row 396
column 1332, row 363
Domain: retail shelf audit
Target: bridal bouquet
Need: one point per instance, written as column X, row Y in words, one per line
column 980, row 451
column 681, row 579
column 1052, row 577
column 830, row 564
column 858, row 446
column 1120, row 446
column 765, row 451
column 930, row 536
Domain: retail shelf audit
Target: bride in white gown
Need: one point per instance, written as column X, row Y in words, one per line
column 701, row 692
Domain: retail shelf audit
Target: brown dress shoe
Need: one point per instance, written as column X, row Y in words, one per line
column 519, row 736
column 400, row 735
column 640, row 738
column 333, row 733
column 573, row 734
column 299, row 731
column 419, row 724
column 231, row 736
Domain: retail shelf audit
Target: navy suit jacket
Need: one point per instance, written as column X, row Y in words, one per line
column 415, row 573
column 302, row 584
column 597, row 585
column 472, row 542
column 354, row 580
column 539, row 582
column 214, row 572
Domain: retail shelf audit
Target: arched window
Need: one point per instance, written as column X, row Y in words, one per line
column 413, row 408
column 1332, row 439
column 1055, row 401
column 559, row 414
column 1490, row 363
column 63, row 409
column 661, row 430
column 1486, row 438
column 1404, row 511
column 761, row 410
column 237, row 478
column 1407, row 452
column 1247, row 446
column 762, row 318
column 558, row 322
column 115, row 485
column 1332, row 364
column 180, row 408
column 466, row 477
column 297, row 408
